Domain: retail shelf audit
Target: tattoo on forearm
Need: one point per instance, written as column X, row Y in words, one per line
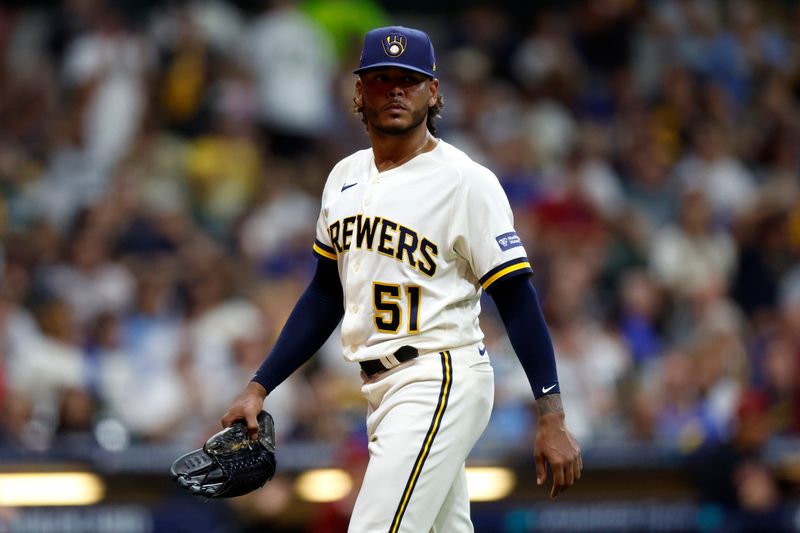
column 549, row 404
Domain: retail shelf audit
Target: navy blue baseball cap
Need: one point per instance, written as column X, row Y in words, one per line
column 397, row 46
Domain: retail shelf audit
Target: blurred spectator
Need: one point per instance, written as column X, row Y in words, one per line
column 768, row 129
column 720, row 361
column 745, row 51
column 189, row 63
column 681, row 422
column 711, row 168
column 650, row 190
column 293, row 61
column 44, row 368
column 280, row 223
column 641, row 304
column 676, row 111
column 690, row 256
column 682, row 33
column 551, row 132
column 781, row 385
column 764, row 257
column 89, row 279
column 143, row 356
column 223, row 170
column 545, row 60
column 18, row 332
column 106, row 69
column 596, row 178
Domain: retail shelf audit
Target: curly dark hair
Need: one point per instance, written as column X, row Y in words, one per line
column 434, row 113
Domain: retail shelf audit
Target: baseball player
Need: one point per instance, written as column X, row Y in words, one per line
column 410, row 232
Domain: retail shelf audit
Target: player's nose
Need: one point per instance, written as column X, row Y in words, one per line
column 395, row 89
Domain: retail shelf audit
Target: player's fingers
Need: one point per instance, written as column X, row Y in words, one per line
column 252, row 425
column 541, row 469
column 554, row 490
column 569, row 476
column 558, row 479
column 228, row 419
column 578, row 467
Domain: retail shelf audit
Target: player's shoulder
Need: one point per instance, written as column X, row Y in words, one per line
column 348, row 166
column 469, row 171
column 356, row 159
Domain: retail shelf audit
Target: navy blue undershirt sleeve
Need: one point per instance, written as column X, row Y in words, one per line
column 518, row 304
column 315, row 316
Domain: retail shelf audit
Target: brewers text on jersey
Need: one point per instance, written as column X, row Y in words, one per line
column 393, row 240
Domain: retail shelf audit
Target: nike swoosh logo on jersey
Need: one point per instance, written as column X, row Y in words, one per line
column 346, row 186
column 482, row 350
column 545, row 390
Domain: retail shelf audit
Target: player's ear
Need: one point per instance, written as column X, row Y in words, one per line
column 433, row 88
column 358, row 98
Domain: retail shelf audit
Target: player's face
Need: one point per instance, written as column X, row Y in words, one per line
column 395, row 100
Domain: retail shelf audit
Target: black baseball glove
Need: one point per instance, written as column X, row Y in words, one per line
column 230, row 463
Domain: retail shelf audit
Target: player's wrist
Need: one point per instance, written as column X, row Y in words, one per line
column 550, row 407
column 254, row 388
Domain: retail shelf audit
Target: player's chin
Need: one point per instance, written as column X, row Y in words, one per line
column 396, row 124
column 393, row 127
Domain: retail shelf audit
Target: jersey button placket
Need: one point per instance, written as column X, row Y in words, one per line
column 367, row 197
column 369, row 191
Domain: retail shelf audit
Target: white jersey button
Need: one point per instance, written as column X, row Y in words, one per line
column 354, row 309
column 356, row 267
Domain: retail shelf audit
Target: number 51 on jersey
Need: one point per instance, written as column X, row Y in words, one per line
column 389, row 301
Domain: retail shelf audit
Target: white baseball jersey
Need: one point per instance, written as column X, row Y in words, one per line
column 414, row 246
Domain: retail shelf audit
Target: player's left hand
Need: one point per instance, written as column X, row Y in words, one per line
column 556, row 446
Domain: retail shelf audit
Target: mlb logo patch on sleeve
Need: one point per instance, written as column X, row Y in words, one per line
column 508, row 240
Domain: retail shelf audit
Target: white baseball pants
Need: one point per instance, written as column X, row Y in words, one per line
column 423, row 419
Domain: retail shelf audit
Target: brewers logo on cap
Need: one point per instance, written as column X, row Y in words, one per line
column 397, row 46
column 394, row 44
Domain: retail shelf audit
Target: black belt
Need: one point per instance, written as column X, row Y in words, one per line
column 375, row 366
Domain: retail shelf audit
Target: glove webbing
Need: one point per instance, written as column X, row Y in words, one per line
column 245, row 473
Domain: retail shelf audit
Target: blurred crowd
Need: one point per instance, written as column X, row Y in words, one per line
column 160, row 173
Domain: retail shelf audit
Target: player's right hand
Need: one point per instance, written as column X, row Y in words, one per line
column 246, row 407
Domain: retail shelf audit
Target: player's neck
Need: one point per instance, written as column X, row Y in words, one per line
column 392, row 151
